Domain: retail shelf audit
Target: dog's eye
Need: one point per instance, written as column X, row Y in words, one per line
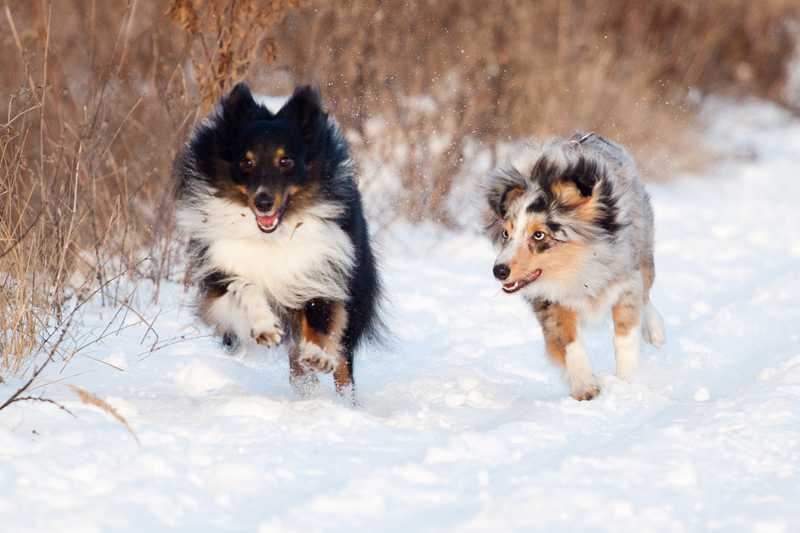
column 286, row 162
column 505, row 235
column 538, row 235
column 246, row 164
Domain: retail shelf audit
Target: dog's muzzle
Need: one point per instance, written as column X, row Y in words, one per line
column 521, row 284
column 268, row 224
column 262, row 204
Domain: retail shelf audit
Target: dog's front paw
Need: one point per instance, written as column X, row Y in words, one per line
column 266, row 331
column 583, row 384
column 315, row 359
column 586, row 393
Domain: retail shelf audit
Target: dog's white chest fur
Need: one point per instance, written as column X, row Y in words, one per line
column 307, row 257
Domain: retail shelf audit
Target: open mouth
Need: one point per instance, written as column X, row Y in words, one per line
column 269, row 223
column 521, row 284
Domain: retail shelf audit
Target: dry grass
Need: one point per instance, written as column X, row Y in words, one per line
column 225, row 37
column 425, row 87
column 37, row 230
column 99, row 99
column 101, row 95
column 91, row 399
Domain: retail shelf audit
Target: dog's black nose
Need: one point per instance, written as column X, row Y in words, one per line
column 264, row 201
column 501, row 271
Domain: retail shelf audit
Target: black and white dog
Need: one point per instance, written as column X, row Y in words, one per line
column 279, row 243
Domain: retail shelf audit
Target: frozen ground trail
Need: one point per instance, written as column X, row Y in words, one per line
column 465, row 427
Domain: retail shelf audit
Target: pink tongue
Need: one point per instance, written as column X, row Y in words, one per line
column 267, row 221
column 528, row 279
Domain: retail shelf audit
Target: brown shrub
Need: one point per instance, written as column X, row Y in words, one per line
column 100, row 95
column 99, row 100
column 225, row 38
column 447, row 75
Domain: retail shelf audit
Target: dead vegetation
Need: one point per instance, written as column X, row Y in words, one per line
column 99, row 98
column 91, row 399
column 101, row 95
column 427, row 87
column 224, row 37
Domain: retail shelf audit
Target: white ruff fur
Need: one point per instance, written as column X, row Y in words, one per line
column 307, row 257
column 578, row 373
column 627, row 349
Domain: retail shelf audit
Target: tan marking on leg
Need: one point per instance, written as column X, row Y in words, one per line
column 309, row 334
column 564, row 345
column 343, row 378
column 627, row 313
column 331, row 343
column 648, row 274
column 343, row 374
column 560, row 327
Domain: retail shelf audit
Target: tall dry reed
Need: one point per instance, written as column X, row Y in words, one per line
column 99, row 97
column 430, row 90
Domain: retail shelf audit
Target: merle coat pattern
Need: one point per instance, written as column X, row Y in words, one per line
column 574, row 230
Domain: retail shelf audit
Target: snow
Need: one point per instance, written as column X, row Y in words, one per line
column 463, row 425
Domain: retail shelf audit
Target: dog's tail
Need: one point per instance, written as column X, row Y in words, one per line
column 653, row 327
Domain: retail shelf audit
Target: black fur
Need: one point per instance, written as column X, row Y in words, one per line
column 318, row 314
column 540, row 205
column 607, row 210
column 553, row 226
column 321, row 170
column 583, row 172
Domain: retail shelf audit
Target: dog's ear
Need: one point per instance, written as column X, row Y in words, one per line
column 559, row 176
column 501, row 188
column 238, row 106
column 304, row 108
column 584, row 174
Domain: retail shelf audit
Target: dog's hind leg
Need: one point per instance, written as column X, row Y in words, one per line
column 564, row 344
column 627, row 314
column 653, row 326
column 322, row 324
column 303, row 381
column 343, row 378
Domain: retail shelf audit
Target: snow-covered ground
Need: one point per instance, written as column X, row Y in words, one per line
column 463, row 426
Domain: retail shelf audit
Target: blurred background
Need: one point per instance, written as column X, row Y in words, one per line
column 99, row 96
